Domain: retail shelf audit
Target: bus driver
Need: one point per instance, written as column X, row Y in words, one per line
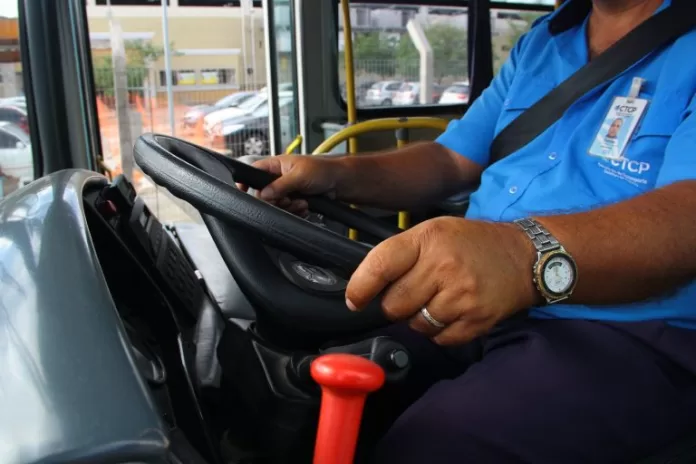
column 594, row 259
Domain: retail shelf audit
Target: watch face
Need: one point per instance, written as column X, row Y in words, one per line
column 558, row 274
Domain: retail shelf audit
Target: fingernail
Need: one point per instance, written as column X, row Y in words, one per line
column 350, row 305
column 267, row 193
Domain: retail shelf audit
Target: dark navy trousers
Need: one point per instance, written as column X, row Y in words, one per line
column 538, row 391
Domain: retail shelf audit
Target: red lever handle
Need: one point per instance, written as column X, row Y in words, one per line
column 345, row 381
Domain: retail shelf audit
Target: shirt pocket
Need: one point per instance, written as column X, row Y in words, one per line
column 643, row 157
column 524, row 92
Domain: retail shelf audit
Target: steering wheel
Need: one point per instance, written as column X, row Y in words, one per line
column 292, row 271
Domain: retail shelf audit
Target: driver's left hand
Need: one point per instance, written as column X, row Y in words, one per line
column 468, row 274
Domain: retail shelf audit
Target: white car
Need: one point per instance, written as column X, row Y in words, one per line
column 15, row 153
column 248, row 107
column 457, row 93
column 21, row 100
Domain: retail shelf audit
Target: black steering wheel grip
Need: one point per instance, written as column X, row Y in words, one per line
column 207, row 180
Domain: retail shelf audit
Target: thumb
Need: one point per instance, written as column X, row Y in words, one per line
column 281, row 187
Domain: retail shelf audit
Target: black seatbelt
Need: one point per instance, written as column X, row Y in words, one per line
column 658, row 30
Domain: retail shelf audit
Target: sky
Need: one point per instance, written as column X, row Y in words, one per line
column 8, row 8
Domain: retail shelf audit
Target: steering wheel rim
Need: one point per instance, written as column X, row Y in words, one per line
column 198, row 176
column 205, row 179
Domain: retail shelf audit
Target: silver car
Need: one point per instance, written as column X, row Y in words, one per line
column 382, row 93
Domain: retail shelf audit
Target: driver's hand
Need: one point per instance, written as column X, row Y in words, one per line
column 9, row 184
column 299, row 174
column 468, row 274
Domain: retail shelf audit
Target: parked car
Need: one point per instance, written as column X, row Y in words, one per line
column 196, row 113
column 382, row 93
column 282, row 87
column 16, row 114
column 456, row 93
column 15, row 154
column 248, row 107
column 361, row 89
column 20, row 100
column 249, row 134
column 409, row 94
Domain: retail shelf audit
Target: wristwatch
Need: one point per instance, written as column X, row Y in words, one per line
column 554, row 272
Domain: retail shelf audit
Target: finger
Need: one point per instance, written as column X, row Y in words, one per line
column 298, row 207
column 242, row 187
column 442, row 308
column 283, row 203
column 461, row 331
column 384, row 264
column 288, row 181
column 408, row 294
column 272, row 164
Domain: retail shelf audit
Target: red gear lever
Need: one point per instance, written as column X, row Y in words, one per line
column 345, row 381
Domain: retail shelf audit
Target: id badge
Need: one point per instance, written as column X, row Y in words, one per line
column 617, row 128
column 619, row 124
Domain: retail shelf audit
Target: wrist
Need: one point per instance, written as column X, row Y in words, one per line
column 343, row 177
column 523, row 256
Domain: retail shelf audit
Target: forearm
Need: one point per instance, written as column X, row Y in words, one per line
column 632, row 250
column 418, row 175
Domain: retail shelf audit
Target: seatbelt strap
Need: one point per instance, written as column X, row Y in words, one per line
column 658, row 30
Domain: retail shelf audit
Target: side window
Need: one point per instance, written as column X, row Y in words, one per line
column 509, row 24
column 16, row 165
column 384, row 52
column 216, row 52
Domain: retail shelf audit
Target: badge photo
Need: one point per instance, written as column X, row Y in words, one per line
column 618, row 127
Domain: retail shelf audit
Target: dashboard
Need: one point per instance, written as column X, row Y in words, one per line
column 160, row 300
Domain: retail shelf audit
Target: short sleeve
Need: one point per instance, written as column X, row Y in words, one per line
column 472, row 135
column 680, row 155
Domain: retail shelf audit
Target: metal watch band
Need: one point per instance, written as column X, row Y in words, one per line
column 541, row 238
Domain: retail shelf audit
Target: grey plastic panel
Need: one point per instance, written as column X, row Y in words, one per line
column 69, row 390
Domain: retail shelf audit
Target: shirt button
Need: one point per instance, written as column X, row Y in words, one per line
column 513, row 190
column 552, row 156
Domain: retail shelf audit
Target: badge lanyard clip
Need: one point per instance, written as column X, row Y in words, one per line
column 636, row 85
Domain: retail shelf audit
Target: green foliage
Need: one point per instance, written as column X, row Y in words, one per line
column 449, row 44
column 371, row 51
column 518, row 29
column 375, row 52
column 139, row 56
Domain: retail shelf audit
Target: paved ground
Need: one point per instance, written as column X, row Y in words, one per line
column 166, row 207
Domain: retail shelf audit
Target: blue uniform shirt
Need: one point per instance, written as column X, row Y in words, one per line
column 554, row 174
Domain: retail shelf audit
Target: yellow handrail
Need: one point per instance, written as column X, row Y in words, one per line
column 377, row 125
column 294, row 145
column 402, row 139
column 350, row 85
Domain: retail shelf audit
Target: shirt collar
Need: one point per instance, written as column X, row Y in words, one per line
column 574, row 12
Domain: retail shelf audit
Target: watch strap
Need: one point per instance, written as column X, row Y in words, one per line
column 541, row 238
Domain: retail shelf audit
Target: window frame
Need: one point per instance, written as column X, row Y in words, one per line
column 431, row 109
column 145, row 3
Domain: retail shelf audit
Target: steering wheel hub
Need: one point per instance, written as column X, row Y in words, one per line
column 293, row 271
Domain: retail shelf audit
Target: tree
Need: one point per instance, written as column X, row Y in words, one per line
column 372, row 53
column 449, row 44
column 517, row 27
column 139, row 55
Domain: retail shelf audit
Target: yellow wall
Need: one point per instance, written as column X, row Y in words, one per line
column 196, row 33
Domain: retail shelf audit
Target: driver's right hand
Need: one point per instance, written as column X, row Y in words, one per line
column 299, row 174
